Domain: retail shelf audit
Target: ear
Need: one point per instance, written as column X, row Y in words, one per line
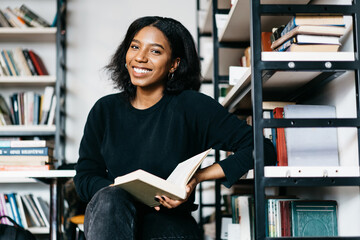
column 175, row 64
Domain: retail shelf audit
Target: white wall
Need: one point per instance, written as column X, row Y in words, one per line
column 94, row 30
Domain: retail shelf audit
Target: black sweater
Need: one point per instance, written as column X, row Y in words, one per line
column 119, row 139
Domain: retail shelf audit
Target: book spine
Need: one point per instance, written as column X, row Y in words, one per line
column 37, row 63
column 7, row 63
column 21, row 210
column 9, row 210
column 29, row 62
column 36, row 210
column 14, row 208
column 34, row 16
column 43, row 151
column 4, row 22
column 41, row 211
column 31, row 211
column 25, row 167
column 13, row 63
column 2, row 210
column 291, row 24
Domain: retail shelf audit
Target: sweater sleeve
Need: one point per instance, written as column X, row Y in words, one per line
column 222, row 130
column 91, row 172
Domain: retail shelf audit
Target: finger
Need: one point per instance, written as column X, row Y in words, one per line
column 157, row 208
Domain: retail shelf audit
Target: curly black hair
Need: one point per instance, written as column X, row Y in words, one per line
column 186, row 76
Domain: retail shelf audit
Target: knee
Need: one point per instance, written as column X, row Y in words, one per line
column 112, row 199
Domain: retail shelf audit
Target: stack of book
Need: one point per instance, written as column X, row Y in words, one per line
column 27, row 210
column 309, row 33
column 22, row 17
column 286, row 216
column 21, row 62
column 29, row 108
column 26, row 155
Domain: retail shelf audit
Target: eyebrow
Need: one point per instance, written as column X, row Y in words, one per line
column 152, row 44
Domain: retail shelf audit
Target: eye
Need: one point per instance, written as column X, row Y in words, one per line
column 133, row 46
column 155, row 51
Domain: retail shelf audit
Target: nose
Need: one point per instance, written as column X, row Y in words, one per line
column 141, row 56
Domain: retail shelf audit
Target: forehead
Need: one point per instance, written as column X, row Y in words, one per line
column 152, row 35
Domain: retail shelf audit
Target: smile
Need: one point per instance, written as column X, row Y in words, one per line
column 141, row 70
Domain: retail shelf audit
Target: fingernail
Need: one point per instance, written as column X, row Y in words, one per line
column 163, row 198
column 156, row 199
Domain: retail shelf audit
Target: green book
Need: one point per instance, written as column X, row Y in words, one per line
column 314, row 218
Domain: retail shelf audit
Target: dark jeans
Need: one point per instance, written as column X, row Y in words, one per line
column 113, row 214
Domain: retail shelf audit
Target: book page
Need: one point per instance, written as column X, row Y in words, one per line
column 185, row 170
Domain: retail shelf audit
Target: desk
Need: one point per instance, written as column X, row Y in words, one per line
column 55, row 179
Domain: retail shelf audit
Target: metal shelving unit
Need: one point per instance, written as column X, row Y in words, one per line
column 330, row 67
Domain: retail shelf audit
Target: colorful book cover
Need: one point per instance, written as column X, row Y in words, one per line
column 314, row 218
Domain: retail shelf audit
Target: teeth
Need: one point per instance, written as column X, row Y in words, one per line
column 140, row 70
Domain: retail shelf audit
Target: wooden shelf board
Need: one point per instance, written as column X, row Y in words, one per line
column 28, row 34
column 27, row 80
column 9, row 176
column 19, row 129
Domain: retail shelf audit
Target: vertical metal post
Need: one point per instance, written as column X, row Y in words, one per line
column 256, row 95
column 54, row 214
column 216, row 97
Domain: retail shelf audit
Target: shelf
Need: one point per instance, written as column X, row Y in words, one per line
column 27, row 176
column 308, row 56
column 27, row 80
column 39, row 230
column 28, row 34
column 205, row 16
column 308, row 172
column 23, row 130
column 227, row 57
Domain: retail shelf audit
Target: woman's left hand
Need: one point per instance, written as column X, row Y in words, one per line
column 170, row 203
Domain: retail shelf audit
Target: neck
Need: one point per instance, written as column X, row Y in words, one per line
column 146, row 99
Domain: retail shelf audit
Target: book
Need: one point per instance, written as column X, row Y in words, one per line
column 29, row 62
column 315, row 146
column 31, row 14
column 26, row 143
column 21, row 210
column 303, row 39
column 24, row 160
column 26, row 167
column 312, row 48
column 8, row 63
column 13, row 63
column 22, row 63
column 314, row 218
column 266, row 41
column 40, row 151
column 309, row 30
column 3, row 210
column 46, row 104
column 51, row 117
column 29, row 21
column 41, row 211
column 3, row 21
column 38, row 63
column 3, row 65
column 5, row 110
column 29, row 210
column 282, row 159
column 145, row 186
column 14, row 208
column 322, row 20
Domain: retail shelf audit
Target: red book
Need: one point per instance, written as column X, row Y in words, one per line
column 285, row 218
column 280, row 140
column 266, row 42
column 38, row 63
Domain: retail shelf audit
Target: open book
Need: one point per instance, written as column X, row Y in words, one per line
column 145, row 186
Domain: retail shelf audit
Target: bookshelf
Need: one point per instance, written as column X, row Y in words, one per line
column 50, row 44
column 326, row 78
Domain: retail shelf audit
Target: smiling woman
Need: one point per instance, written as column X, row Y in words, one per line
column 156, row 122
